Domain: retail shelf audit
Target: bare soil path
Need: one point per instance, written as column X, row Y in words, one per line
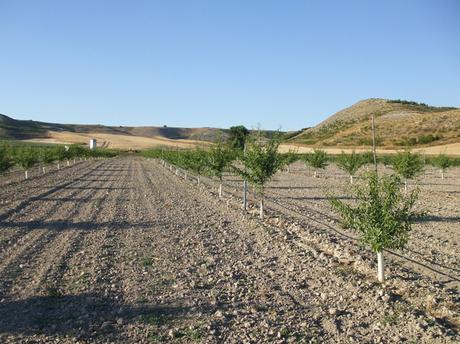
column 124, row 251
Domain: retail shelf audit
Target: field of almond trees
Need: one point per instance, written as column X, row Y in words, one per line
column 136, row 249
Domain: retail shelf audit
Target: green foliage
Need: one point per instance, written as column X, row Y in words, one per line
column 442, row 161
column 25, row 157
column 238, row 135
column 219, row 159
column 290, row 158
column 46, row 155
column 350, row 162
column 261, row 162
column 408, row 165
column 383, row 216
column 5, row 159
column 197, row 161
column 318, row 159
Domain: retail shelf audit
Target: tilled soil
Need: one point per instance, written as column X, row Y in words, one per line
column 125, row 251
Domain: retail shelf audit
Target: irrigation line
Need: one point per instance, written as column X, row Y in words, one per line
column 289, row 208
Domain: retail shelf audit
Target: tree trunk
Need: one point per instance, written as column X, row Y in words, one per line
column 261, row 215
column 220, row 190
column 380, row 267
column 245, row 195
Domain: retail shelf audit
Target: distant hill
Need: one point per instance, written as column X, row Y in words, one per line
column 110, row 136
column 399, row 123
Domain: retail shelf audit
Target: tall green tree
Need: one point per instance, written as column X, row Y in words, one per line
column 238, row 136
column 382, row 215
column 260, row 162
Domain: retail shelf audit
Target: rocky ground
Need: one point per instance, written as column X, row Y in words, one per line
column 125, row 251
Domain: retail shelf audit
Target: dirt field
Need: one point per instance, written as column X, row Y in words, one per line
column 126, row 251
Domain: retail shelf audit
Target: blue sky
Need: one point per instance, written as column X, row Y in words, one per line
column 274, row 64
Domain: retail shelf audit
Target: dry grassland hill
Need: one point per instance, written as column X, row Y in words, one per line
column 108, row 136
column 399, row 123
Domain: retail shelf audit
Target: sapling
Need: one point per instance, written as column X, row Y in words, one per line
column 290, row 158
column 443, row 162
column 5, row 159
column 318, row 160
column 260, row 162
column 350, row 163
column 219, row 159
column 25, row 157
column 197, row 162
column 408, row 165
column 382, row 215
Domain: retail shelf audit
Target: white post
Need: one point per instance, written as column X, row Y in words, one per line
column 245, row 194
column 26, row 174
column 44, row 171
column 442, row 174
column 380, row 267
column 314, row 175
column 220, row 190
column 405, row 185
column 198, row 179
column 59, row 166
column 68, row 162
column 351, row 179
column 185, row 175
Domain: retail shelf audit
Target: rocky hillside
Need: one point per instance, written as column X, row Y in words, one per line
column 398, row 122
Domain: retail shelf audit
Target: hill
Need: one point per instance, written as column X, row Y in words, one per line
column 121, row 137
column 399, row 123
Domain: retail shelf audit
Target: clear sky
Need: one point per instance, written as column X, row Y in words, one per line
column 275, row 64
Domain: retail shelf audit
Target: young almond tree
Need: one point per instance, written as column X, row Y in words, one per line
column 260, row 162
column 290, row 158
column 5, row 159
column 197, row 161
column 26, row 158
column 443, row 162
column 382, row 216
column 318, row 160
column 220, row 158
column 408, row 165
column 46, row 156
column 350, row 163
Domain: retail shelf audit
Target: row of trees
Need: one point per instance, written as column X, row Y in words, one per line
column 27, row 156
column 382, row 214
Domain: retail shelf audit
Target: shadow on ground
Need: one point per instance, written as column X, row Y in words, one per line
column 85, row 316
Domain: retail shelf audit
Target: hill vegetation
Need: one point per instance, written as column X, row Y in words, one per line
column 399, row 123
